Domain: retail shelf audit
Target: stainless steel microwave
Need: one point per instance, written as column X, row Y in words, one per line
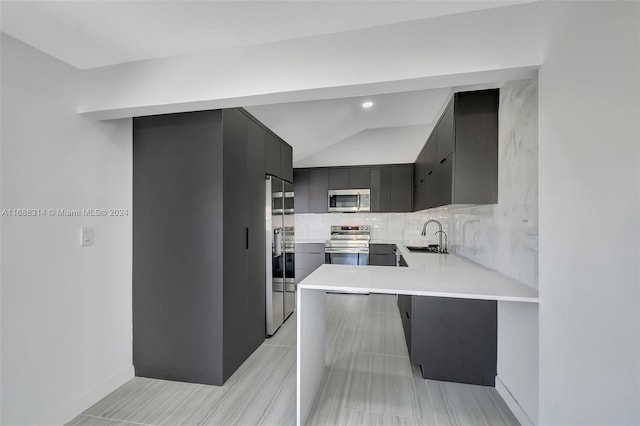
column 350, row 200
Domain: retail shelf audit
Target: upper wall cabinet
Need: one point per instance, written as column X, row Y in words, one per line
column 278, row 157
column 459, row 163
column 391, row 186
column 349, row 177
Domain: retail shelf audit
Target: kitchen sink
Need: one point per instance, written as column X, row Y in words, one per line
column 423, row 249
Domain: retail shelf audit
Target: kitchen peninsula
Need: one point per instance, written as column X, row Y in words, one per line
column 427, row 274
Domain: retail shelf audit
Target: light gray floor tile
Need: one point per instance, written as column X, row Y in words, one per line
column 84, row 420
column 261, row 391
column 286, row 335
column 369, row 381
column 462, row 404
column 143, row 400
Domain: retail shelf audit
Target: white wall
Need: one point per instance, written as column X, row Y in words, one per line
column 66, row 309
column 590, row 214
column 446, row 51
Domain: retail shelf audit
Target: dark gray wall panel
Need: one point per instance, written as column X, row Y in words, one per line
column 176, row 254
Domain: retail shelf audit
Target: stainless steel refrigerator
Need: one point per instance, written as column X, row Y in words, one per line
column 280, row 273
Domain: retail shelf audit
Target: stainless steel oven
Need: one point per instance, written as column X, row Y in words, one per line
column 349, row 200
column 349, row 245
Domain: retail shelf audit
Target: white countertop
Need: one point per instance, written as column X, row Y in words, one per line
column 428, row 274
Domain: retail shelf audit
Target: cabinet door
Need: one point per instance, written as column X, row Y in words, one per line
column 256, row 235
column 380, row 188
column 235, row 271
column 404, row 306
column 401, row 197
column 339, row 178
column 177, row 192
column 272, row 154
column 465, row 333
column 419, row 172
column 313, row 261
column 382, row 254
column 299, row 262
column 359, row 177
column 476, row 167
column 318, row 190
column 443, row 181
column 286, row 161
column 446, row 133
column 381, row 259
column 301, row 190
column 431, row 162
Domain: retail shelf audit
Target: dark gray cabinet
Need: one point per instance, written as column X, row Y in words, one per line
column 272, row 156
column 255, row 238
column 459, row 163
column 318, row 190
column 309, row 257
column 380, row 189
column 301, row 190
column 286, row 162
column 198, row 232
column 391, row 186
column 349, row 177
column 339, row 178
column 464, row 331
column 401, row 193
column 278, row 158
column 382, row 254
column 359, row 177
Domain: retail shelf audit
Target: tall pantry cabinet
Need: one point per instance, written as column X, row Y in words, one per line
column 198, row 232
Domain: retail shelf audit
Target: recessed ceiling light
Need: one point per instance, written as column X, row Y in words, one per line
column 367, row 104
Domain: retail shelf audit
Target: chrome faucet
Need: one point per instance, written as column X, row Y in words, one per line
column 439, row 233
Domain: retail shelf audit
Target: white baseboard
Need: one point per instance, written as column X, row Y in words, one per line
column 513, row 405
column 72, row 410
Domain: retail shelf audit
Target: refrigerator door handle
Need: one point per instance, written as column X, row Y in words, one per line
column 247, row 238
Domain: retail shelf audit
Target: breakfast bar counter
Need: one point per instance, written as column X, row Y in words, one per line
column 427, row 274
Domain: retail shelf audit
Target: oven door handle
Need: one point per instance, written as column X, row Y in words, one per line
column 347, row 251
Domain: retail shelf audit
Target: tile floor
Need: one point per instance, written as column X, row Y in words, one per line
column 369, row 381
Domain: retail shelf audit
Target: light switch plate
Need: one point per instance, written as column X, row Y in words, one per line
column 86, row 236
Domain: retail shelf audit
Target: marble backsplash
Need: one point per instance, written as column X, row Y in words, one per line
column 384, row 226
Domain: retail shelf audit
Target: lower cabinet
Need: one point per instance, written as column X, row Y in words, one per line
column 382, row 254
column 451, row 339
column 309, row 257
